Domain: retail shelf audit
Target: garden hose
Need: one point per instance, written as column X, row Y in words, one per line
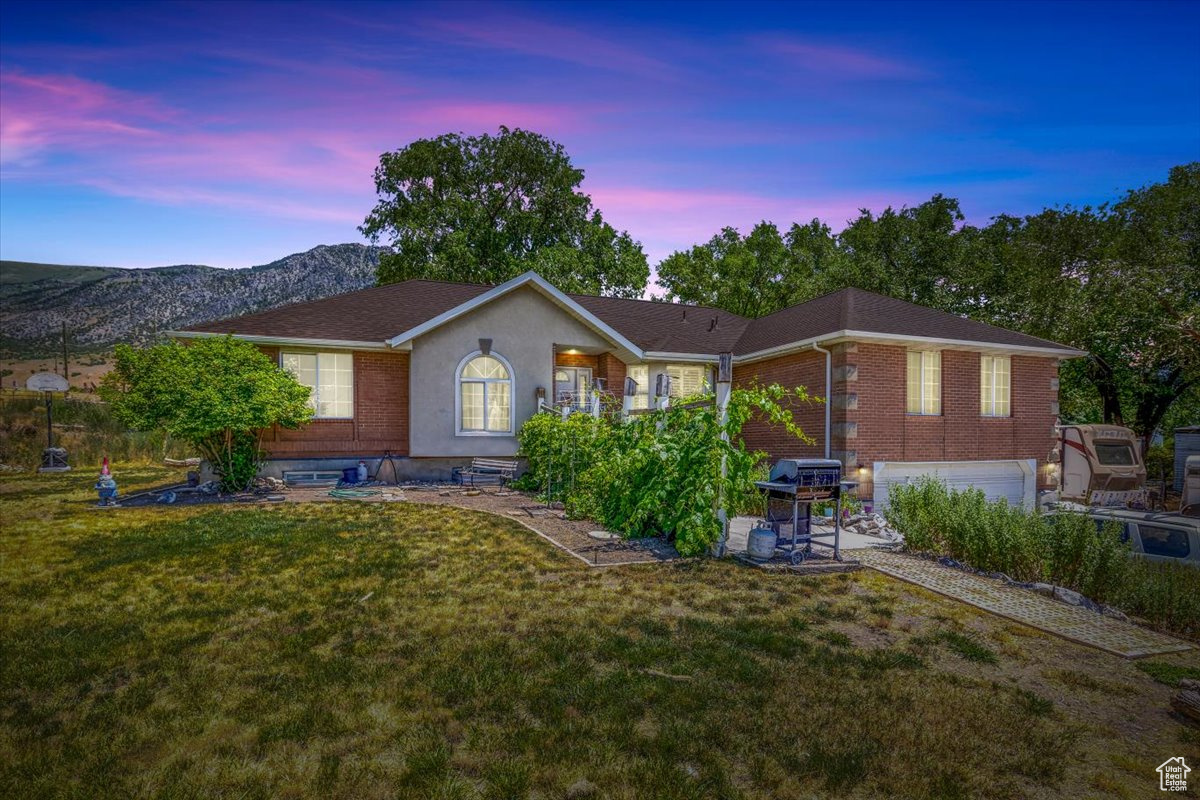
column 353, row 494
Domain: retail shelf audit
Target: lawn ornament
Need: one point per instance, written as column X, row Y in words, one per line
column 362, row 472
column 106, row 486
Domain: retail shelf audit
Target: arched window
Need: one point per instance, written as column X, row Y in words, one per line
column 484, row 396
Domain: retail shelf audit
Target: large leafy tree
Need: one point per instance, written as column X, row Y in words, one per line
column 217, row 394
column 1120, row 281
column 755, row 274
column 483, row 209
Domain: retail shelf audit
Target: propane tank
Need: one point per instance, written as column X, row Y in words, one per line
column 106, row 487
column 362, row 472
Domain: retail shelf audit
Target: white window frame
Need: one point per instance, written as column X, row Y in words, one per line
column 512, row 404
column 987, row 395
column 643, row 386
column 314, row 391
column 706, row 384
column 927, row 409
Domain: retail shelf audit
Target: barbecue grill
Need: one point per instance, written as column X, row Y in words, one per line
column 794, row 485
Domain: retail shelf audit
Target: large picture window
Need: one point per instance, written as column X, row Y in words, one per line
column 484, row 395
column 995, row 381
column 924, row 382
column 329, row 376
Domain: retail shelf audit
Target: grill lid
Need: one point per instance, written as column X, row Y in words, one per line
column 786, row 469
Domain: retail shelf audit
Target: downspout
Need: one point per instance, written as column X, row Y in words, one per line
column 828, row 390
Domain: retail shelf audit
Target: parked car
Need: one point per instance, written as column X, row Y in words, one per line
column 1153, row 535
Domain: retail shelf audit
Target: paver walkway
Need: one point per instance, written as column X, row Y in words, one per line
column 1021, row 605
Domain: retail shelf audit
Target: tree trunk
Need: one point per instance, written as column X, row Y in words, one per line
column 1104, row 380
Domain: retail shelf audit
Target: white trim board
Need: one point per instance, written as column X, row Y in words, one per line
column 336, row 344
column 899, row 339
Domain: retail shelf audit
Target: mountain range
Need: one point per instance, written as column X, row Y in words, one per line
column 102, row 306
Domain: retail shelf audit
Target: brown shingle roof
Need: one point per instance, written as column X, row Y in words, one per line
column 668, row 327
column 368, row 315
column 860, row 310
column 377, row 314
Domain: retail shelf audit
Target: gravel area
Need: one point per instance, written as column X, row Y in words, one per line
column 574, row 536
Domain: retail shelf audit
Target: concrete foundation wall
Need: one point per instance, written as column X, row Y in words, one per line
column 407, row 469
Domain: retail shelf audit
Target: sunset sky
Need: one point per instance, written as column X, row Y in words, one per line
column 233, row 134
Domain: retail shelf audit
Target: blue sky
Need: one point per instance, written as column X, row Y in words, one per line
column 233, row 134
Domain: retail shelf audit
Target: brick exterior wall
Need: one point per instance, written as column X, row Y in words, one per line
column 805, row 369
column 605, row 366
column 868, row 410
column 380, row 420
column 612, row 370
column 577, row 360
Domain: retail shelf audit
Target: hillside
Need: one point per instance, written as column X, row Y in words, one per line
column 106, row 305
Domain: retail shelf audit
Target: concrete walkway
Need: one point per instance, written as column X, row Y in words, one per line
column 1024, row 606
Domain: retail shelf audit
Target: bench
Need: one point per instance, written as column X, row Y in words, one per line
column 487, row 470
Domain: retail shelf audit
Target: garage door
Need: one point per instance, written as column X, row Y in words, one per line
column 1015, row 481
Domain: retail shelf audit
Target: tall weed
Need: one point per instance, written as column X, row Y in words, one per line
column 1065, row 549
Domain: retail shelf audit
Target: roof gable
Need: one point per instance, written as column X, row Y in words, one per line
column 534, row 281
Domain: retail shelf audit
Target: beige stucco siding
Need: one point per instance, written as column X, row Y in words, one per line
column 524, row 328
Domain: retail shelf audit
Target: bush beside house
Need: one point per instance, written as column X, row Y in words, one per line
column 658, row 472
column 1064, row 549
column 218, row 394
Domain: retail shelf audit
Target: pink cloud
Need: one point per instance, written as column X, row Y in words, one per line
column 41, row 112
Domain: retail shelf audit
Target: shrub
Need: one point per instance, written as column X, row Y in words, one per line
column 217, row 394
column 1067, row 549
column 1163, row 593
column 657, row 472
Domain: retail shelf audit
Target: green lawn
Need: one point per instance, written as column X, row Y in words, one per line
column 358, row 651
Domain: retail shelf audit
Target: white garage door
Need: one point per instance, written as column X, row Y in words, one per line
column 1015, row 481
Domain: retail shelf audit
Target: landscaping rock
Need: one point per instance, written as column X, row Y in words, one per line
column 1069, row 597
column 1115, row 613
